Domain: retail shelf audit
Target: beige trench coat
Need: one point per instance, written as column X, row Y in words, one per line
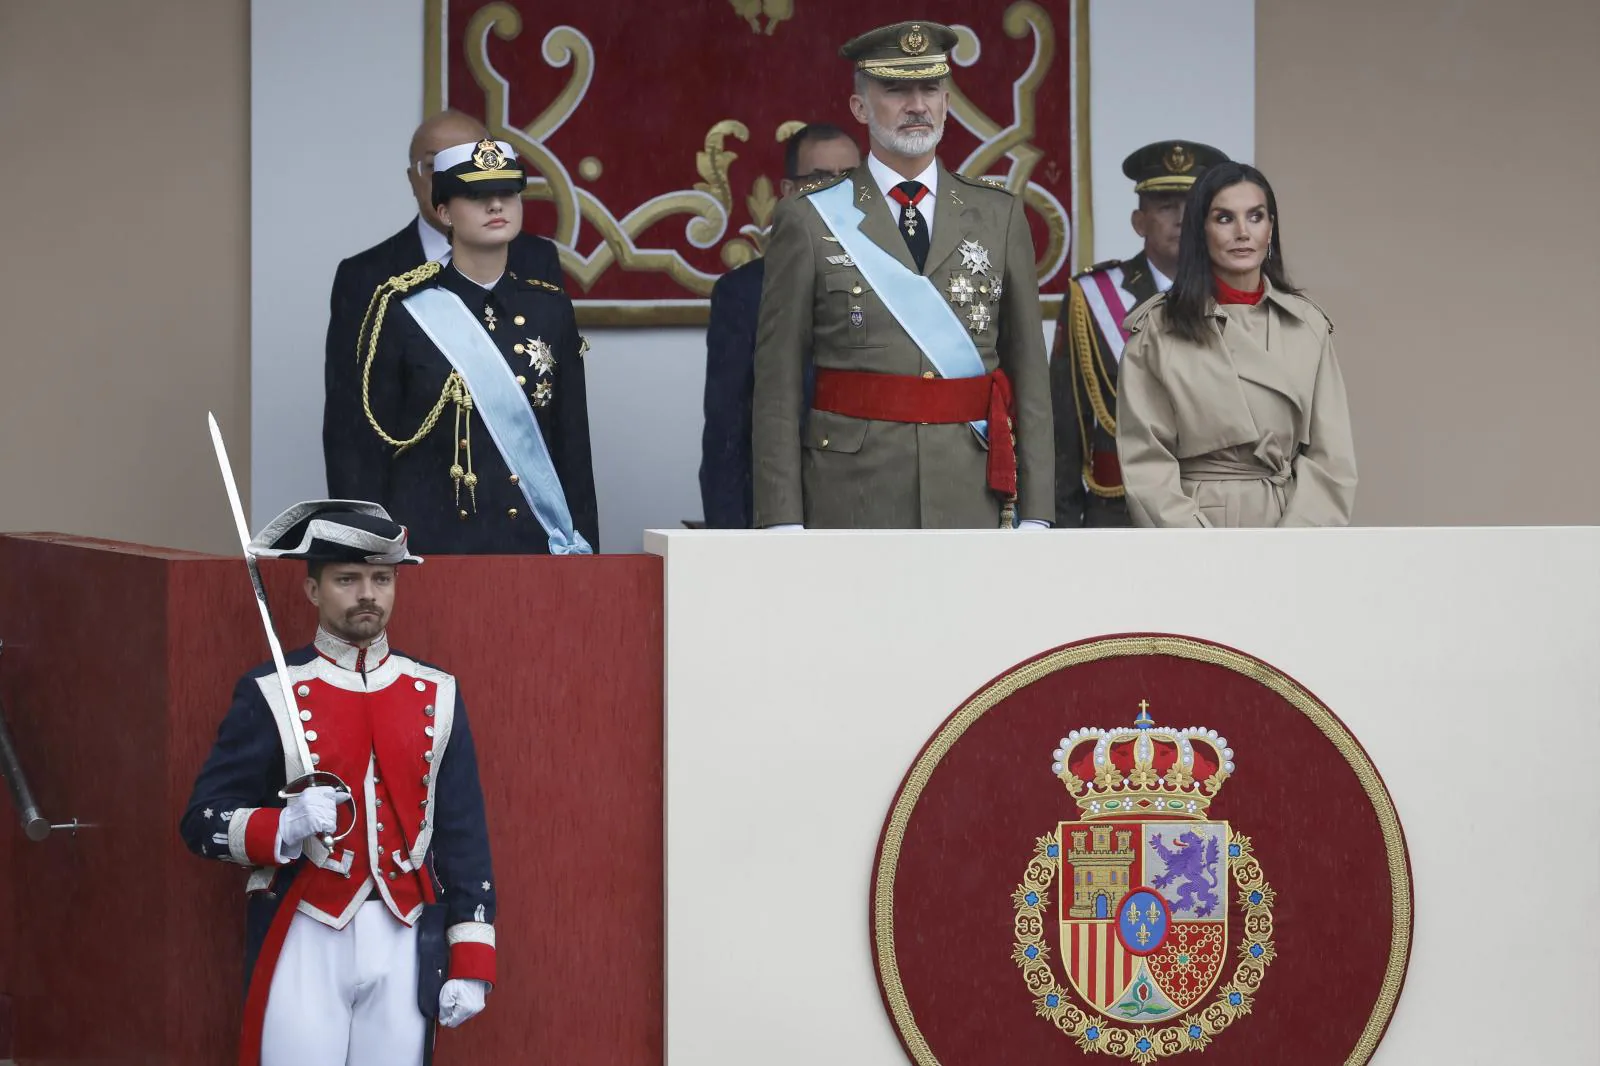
column 1250, row 429
column 851, row 473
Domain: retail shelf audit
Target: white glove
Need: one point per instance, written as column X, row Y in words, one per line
column 460, row 999
column 787, row 526
column 1032, row 523
column 316, row 810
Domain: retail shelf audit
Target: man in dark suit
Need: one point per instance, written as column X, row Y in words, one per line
column 1089, row 336
column 814, row 153
column 358, row 277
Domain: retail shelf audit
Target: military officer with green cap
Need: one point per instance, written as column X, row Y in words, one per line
column 913, row 290
column 1089, row 336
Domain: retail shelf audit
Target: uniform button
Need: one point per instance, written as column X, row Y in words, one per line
column 425, row 779
column 422, row 825
column 311, row 736
column 517, row 347
column 927, row 375
column 519, row 320
column 463, row 516
column 391, row 875
column 521, row 380
column 304, row 690
column 377, row 802
column 424, row 804
column 856, row 291
column 427, row 756
column 511, row 513
column 428, row 710
column 428, row 730
column 465, row 443
column 315, row 758
column 305, row 715
column 422, row 686
column 824, row 442
column 515, row 479
column 380, row 827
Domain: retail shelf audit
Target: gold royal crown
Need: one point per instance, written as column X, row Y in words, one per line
column 1144, row 769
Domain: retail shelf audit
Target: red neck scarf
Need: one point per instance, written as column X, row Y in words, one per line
column 1227, row 294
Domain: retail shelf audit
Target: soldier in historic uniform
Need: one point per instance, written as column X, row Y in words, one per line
column 474, row 427
column 914, row 291
column 1090, row 334
column 351, row 948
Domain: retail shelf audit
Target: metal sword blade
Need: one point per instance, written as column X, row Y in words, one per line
column 290, row 707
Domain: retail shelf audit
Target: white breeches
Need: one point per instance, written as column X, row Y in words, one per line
column 345, row 997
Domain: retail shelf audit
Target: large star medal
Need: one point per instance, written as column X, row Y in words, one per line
column 974, row 257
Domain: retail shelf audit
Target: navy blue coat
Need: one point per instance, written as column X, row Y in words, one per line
column 356, row 279
column 407, row 376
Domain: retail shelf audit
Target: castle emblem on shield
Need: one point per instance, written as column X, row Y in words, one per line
column 1122, row 919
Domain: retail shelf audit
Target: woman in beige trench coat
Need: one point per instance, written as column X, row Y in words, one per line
column 1230, row 408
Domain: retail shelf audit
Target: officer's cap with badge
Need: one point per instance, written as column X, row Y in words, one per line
column 906, row 51
column 1170, row 166
column 479, row 169
column 334, row 531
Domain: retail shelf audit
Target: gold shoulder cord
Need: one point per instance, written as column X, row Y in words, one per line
column 454, row 387
column 1087, row 351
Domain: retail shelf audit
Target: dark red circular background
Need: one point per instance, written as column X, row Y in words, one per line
column 971, row 835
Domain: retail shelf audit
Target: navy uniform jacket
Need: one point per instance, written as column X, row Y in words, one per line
column 725, row 492
column 407, row 376
column 353, row 285
column 1083, row 382
column 233, row 810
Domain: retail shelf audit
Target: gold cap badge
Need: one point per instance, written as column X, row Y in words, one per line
column 1179, row 160
column 914, row 42
column 488, row 156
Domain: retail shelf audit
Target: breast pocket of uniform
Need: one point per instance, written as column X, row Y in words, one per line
column 852, row 304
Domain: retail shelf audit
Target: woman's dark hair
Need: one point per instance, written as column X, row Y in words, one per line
column 1195, row 285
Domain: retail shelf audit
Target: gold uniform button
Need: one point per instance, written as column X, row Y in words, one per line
column 515, row 479
column 517, row 347
column 521, row 380
column 465, row 443
column 519, row 320
column 927, row 375
column 856, row 291
column 512, row 513
column 824, row 442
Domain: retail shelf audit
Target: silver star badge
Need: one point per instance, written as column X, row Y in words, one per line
column 974, row 257
column 978, row 319
column 540, row 357
column 486, row 886
column 960, row 290
column 208, row 812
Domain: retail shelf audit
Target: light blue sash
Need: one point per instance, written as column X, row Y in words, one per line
column 911, row 298
column 457, row 334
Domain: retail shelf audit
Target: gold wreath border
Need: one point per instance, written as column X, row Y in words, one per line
column 1123, row 647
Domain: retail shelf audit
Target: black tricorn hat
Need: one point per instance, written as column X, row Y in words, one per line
column 334, row 531
column 477, row 169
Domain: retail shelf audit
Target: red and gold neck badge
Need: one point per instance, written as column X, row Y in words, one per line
column 1141, row 848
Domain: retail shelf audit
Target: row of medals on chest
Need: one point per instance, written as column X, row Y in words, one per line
column 974, row 290
column 541, row 360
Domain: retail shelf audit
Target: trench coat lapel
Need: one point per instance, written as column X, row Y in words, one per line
column 1259, row 366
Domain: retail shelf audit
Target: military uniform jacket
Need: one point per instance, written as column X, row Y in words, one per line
column 393, row 728
column 536, row 330
column 1083, row 392
column 845, row 472
column 353, row 285
column 1251, row 428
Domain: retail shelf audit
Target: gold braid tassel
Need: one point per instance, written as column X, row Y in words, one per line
column 376, row 309
column 1088, row 352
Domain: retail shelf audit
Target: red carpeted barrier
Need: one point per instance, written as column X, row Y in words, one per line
column 119, row 662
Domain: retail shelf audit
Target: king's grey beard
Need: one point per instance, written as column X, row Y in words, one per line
column 910, row 143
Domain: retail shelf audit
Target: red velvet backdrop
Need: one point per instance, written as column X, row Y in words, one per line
column 971, row 836
column 663, row 77
column 119, row 663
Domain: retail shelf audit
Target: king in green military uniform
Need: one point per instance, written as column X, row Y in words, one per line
column 1089, row 336
column 913, row 290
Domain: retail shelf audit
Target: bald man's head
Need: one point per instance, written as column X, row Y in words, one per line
column 437, row 133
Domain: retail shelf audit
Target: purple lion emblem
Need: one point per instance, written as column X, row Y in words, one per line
column 1190, row 862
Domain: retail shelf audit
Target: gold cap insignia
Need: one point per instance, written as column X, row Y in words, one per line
column 488, row 156
column 1179, row 160
column 914, row 42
